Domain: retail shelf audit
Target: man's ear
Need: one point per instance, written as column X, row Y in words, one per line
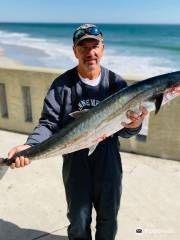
column 103, row 46
column 74, row 50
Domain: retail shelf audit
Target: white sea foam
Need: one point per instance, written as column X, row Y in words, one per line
column 145, row 66
column 58, row 54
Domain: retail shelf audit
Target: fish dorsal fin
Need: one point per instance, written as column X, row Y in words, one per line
column 78, row 114
column 158, row 102
column 92, row 148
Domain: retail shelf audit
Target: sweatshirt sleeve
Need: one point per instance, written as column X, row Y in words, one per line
column 125, row 132
column 50, row 116
column 129, row 132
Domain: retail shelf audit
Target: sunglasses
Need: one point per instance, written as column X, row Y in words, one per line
column 91, row 31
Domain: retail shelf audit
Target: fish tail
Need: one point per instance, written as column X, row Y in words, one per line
column 4, row 165
column 5, row 162
column 3, row 171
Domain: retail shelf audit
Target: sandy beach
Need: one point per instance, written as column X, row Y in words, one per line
column 7, row 62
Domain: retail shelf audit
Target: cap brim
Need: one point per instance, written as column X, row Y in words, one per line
column 99, row 38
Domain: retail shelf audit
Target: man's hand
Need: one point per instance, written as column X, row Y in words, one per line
column 20, row 161
column 136, row 119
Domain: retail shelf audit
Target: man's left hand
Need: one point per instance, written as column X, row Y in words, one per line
column 136, row 120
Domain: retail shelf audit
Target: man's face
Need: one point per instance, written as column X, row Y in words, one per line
column 89, row 52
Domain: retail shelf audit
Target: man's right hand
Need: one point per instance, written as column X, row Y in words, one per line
column 20, row 161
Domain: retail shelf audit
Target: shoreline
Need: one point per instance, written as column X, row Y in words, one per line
column 8, row 62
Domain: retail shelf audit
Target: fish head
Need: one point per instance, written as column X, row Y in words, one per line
column 164, row 89
column 172, row 90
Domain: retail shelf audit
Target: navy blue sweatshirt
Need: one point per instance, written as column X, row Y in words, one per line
column 68, row 94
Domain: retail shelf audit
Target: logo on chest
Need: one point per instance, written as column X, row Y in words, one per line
column 87, row 103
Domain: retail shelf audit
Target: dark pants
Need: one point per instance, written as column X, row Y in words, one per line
column 93, row 180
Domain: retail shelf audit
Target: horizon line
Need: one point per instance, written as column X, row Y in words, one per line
column 132, row 23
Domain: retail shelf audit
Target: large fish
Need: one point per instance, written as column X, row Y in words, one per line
column 102, row 121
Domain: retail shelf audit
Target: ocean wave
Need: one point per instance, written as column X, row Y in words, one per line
column 170, row 47
column 25, row 40
column 137, row 65
column 58, row 54
column 54, row 50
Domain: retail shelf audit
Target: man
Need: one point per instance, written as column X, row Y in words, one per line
column 93, row 180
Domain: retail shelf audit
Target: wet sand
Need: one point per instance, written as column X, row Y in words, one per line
column 7, row 62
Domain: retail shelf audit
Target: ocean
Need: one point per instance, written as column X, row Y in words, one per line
column 130, row 49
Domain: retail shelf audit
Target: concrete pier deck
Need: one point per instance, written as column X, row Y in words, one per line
column 33, row 205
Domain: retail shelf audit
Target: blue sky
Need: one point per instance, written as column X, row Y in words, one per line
column 115, row 11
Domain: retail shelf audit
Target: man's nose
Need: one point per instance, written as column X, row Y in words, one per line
column 90, row 50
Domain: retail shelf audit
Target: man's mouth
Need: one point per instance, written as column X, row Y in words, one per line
column 92, row 60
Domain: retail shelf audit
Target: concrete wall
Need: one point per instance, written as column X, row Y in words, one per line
column 163, row 139
column 39, row 81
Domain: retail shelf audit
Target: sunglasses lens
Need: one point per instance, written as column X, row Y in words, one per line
column 81, row 32
column 93, row 31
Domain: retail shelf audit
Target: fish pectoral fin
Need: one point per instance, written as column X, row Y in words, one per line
column 92, row 148
column 158, row 102
column 78, row 114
